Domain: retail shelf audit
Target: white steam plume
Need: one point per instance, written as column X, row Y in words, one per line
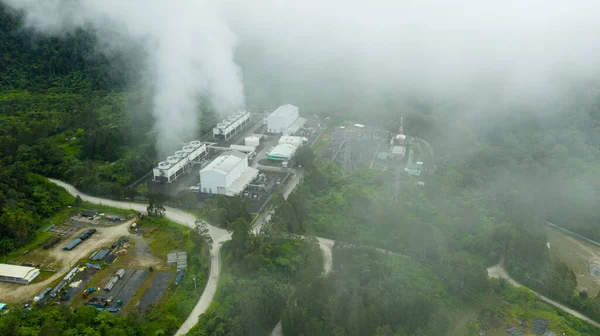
column 190, row 52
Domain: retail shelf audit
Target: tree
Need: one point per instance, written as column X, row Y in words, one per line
column 305, row 156
column 78, row 201
column 155, row 206
column 200, row 234
column 240, row 234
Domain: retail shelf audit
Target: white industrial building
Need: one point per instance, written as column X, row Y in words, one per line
column 282, row 152
column 228, row 174
column 284, row 120
column 18, row 274
column 178, row 163
column 253, row 140
column 293, row 140
column 231, row 125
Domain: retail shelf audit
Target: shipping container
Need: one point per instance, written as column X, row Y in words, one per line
column 179, row 277
column 120, row 273
column 51, row 243
column 72, row 244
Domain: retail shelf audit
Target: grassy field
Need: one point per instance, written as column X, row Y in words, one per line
column 578, row 255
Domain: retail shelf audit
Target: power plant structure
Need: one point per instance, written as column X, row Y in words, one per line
column 228, row 174
column 178, row 163
column 229, row 126
column 284, row 120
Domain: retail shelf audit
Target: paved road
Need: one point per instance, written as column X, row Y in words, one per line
column 218, row 235
column 266, row 216
column 498, row 271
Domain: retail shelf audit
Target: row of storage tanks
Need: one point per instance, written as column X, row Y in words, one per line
column 232, row 122
column 119, row 275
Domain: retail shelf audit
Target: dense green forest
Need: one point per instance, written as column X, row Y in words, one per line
column 493, row 189
column 371, row 293
column 259, row 276
column 68, row 112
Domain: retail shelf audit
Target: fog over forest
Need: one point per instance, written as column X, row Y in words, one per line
column 347, row 227
column 338, row 54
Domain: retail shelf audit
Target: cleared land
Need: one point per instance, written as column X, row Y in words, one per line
column 62, row 260
column 579, row 255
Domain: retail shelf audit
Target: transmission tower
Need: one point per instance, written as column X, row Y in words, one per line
column 397, row 183
column 347, row 165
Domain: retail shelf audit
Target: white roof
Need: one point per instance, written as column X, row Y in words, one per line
column 243, row 180
column 296, row 125
column 243, row 148
column 15, row 271
column 398, row 150
column 283, row 150
column 285, row 110
column 225, row 163
column 292, row 140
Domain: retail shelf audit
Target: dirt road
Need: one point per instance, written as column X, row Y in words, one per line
column 218, row 235
column 498, row 271
column 326, row 246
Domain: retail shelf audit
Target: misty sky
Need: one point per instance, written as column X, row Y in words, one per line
column 512, row 50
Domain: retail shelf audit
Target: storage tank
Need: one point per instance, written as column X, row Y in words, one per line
column 188, row 149
column 195, row 144
column 181, row 153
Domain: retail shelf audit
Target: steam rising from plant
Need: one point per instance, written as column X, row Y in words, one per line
column 189, row 46
column 340, row 54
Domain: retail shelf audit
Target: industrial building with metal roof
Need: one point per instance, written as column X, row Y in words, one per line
column 284, row 120
column 282, row 152
column 18, row 274
column 228, row 174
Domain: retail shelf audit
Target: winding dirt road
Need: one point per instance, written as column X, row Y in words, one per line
column 218, row 235
column 498, row 271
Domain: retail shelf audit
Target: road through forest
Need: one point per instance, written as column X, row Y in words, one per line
column 220, row 236
column 498, row 271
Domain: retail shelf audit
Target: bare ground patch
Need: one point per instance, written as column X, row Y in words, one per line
column 62, row 260
column 578, row 255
